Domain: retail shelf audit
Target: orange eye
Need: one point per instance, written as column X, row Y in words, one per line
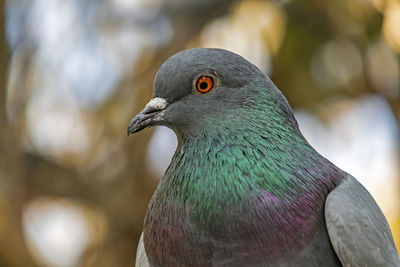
column 204, row 84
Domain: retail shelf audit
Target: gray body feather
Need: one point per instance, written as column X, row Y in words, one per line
column 141, row 257
column 358, row 230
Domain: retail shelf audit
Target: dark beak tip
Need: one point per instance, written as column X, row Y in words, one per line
column 132, row 125
column 132, row 128
column 138, row 123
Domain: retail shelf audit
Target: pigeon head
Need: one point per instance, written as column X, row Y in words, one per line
column 204, row 89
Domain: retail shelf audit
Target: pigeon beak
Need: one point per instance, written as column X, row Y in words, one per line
column 150, row 115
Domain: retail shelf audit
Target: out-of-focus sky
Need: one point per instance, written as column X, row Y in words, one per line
column 74, row 188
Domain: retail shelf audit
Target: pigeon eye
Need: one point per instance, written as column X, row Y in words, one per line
column 204, row 84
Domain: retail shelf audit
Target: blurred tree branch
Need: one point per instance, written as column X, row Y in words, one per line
column 13, row 250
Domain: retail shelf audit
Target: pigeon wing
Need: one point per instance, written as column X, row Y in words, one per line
column 141, row 256
column 358, row 230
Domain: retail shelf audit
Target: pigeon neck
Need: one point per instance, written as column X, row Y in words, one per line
column 241, row 162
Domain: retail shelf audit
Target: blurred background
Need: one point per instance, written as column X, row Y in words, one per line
column 74, row 188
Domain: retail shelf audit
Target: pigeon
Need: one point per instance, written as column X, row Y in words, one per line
column 244, row 187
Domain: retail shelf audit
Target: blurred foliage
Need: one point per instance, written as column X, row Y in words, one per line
column 74, row 188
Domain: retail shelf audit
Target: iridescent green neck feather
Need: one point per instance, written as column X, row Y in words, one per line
column 256, row 147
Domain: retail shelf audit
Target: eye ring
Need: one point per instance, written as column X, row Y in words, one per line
column 204, row 84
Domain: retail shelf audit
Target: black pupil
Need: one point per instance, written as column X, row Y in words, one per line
column 203, row 85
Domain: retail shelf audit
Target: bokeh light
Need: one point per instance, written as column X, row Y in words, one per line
column 391, row 23
column 336, row 64
column 160, row 150
column 61, row 232
column 255, row 30
column 383, row 69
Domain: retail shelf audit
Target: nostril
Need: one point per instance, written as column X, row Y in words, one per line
column 156, row 104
